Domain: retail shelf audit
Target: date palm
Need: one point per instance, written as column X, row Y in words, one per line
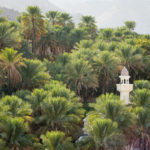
column 11, row 62
column 53, row 17
column 106, row 65
column 107, row 34
column 16, row 107
column 100, row 132
column 88, row 23
column 80, row 75
column 109, row 106
column 142, row 127
column 140, row 84
column 33, row 25
column 36, row 98
column 56, row 140
column 130, row 25
column 65, row 19
column 34, row 74
column 131, row 57
column 9, row 36
column 141, row 97
column 60, row 114
column 13, row 134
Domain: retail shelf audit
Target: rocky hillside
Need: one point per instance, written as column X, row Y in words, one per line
column 9, row 13
column 21, row 5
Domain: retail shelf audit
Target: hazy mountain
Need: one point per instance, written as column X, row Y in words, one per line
column 21, row 5
column 9, row 13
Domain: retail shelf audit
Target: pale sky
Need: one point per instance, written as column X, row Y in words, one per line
column 70, row 5
column 66, row 2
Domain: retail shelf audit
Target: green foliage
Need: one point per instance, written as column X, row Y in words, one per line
column 56, row 140
column 107, row 33
column 109, row 106
column 130, row 25
column 141, row 97
column 33, row 25
column 34, row 74
column 74, row 61
column 16, row 107
column 80, row 75
column 101, row 132
column 9, row 36
column 13, row 134
column 60, row 114
column 140, row 84
column 11, row 63
column 106, row 65
column 36, row 98
column 23, row 94
column 88, row 23
column 52, row 16
column 131, row 57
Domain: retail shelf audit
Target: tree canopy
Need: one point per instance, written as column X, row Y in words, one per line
column 58, row 84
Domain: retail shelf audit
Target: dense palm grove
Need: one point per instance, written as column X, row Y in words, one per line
column 58, row 84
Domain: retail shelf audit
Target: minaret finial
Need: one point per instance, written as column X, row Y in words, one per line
column 124, row 72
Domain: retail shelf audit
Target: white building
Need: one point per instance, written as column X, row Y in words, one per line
column 124, row 87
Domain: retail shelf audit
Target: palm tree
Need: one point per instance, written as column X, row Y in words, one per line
column 84, row 44
column 142, row 127
column 46, row 44
column 11, row 62
column 58, row 89
column 107, row 34
column 100, row 132
column 130, row 25
column 131, row 57
column 52, row 16
column 140, row 84
column 106, row 65
column 9, row 36
column 3, row 111
column 141, row 97
column 34, row 74
column 60, row 114
column 77, row 35
column 57, row 140
column 36, row 98
column 33, row 25
column 80, row 76
column 13, row 134
column 16, row 107
column 88, row 23
column 65, row 19
column 23, row 94
column 109, row 106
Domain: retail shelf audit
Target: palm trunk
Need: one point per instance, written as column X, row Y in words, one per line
column 33, row 36
column 9, row 80
column 104, row 84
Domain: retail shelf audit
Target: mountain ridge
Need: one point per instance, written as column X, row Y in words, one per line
column 21, row 5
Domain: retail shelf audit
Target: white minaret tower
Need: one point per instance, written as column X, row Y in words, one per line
column 124, row 87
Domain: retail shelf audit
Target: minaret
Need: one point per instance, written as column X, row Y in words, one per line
column 124, row 87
